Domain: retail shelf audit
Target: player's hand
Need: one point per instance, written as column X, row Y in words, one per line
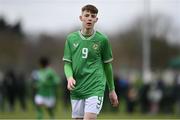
column 71, row 83
column 113, row 98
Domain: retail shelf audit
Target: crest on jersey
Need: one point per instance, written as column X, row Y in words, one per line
column 95, row 46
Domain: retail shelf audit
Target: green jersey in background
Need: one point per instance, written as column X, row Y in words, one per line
column 46, row 82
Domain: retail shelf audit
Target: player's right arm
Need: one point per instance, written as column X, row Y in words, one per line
column 69, row 75
column 68, row 65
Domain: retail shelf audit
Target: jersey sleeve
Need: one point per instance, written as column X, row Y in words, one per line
column 56, row 78
column 52, row 78
column 67, row 52
column 106, row 51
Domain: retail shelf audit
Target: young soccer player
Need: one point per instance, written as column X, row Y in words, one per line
column 87, row 57
column 46, row 81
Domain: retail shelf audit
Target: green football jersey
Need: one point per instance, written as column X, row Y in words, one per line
column 46, row 82
column 88, row 56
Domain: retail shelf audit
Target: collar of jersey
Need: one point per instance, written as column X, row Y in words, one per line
column 89, row 38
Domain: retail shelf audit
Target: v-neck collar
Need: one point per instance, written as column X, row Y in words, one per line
column 84, row 38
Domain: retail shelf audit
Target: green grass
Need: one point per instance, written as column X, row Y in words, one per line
column 30, row 113
column 65, row 113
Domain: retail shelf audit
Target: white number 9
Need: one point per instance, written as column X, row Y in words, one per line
column 84, row 53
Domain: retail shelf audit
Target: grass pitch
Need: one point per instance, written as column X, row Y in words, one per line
column 64, row 112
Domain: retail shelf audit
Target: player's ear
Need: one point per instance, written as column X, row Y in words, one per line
column 80, row 17
column 96, row 19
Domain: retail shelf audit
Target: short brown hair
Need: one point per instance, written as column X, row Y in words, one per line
column 90, row 8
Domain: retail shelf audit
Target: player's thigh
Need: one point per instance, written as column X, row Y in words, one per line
column 49, row 101
column 93, row 105
column 90, row 116
column 39, row 100
column 78, row 108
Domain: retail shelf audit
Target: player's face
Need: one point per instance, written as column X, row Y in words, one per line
column 88, row 19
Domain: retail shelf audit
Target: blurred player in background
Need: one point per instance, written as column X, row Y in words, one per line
column 87, row 57
column 46, row 82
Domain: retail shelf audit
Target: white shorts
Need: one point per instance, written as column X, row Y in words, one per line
column 91, row 105
column 47, row 101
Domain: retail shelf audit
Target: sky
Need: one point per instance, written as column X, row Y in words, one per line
column 63, row 15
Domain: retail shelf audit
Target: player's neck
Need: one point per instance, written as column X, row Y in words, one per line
column 87, row 32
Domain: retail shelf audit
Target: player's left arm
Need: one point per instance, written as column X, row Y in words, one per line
column 56, row 78
column 52, row 78
column 110, row 82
